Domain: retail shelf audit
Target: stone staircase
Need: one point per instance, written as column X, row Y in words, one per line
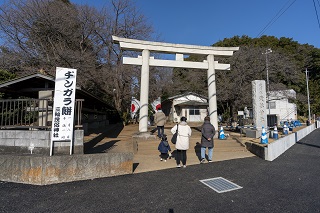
column 147, row 157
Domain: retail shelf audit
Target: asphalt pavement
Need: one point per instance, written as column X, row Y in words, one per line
column 290, row 183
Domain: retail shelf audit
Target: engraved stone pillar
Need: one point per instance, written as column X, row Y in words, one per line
column 259, row 104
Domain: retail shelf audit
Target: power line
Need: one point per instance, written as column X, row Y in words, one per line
column 315, row 7
column 276, row 17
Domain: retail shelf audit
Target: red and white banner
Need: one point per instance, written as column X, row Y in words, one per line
column 135, row 106
column 156, row 104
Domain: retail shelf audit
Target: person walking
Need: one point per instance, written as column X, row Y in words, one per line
column 182, row 144
column 207, row 133
column 151, row 119
column 160, row 120
column 164, row 148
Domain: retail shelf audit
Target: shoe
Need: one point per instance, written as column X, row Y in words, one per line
column 161, row 159
column 184, row 166
column 165, row 160
column 178, row 166
column 203, row 160
column 210, row 161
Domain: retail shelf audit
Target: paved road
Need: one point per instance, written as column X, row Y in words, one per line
column 291, row 183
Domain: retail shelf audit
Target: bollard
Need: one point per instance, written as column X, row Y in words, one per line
column 285, row 130
column 221, row 134
column 275, row 133
column 264, row 138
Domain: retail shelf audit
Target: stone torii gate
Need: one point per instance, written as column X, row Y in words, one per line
column 178, row 49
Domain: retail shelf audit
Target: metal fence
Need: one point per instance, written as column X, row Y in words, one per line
column 31, row 113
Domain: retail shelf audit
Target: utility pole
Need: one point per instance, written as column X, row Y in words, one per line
column 268, row 87
column 309, row 118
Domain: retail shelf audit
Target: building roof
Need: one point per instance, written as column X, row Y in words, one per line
column 30, row 85
column 282, row 94
column 192, row 103
column 186, row 94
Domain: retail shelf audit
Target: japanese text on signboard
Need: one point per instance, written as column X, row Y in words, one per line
column 64, row 99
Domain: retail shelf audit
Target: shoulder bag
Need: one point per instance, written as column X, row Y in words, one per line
column 174, row 136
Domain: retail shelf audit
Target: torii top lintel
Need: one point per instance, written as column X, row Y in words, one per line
column 138, row 45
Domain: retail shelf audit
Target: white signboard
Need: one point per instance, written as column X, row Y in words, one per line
column 240, row 113
column 63, row 106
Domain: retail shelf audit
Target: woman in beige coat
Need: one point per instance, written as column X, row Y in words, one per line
column 182, row 144
column 160, row 120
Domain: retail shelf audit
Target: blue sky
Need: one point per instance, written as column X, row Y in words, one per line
column 204, row 22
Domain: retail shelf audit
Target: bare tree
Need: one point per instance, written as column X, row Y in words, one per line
column 249, row 64
column 124, row 20
column 44, row 34
column 234, row 90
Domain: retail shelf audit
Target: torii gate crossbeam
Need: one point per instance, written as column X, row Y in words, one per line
column 145, row 61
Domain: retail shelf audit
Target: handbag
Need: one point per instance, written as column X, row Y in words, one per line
column 174, row 136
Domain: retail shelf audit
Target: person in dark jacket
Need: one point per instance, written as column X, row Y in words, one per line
column 164, row 148
column 207, row 133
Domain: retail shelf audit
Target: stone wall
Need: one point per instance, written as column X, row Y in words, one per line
column 37, row 142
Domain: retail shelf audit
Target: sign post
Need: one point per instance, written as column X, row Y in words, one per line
column 63, row 107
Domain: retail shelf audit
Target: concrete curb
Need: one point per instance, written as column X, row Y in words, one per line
column 44, row 170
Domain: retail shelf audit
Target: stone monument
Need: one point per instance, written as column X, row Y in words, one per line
column 259, row 104
column 259, row 108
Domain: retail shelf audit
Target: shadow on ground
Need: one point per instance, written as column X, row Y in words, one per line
column 307, row 144
column 111, row 132
column 103, row 147
column 197, row 150
column 135, row 165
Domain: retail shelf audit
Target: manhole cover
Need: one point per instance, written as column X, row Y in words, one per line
column 220, row 184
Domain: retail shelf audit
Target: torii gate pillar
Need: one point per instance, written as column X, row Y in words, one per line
column 179, row 49
column 144, row 92
column 212, row 92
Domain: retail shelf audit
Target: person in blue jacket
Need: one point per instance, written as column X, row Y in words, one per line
column 164, row 148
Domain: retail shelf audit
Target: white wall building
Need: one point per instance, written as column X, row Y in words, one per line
column 282, row 106
column 190, row 105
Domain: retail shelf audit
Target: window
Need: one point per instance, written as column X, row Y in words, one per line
column 272, row 105
column 194, row 112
